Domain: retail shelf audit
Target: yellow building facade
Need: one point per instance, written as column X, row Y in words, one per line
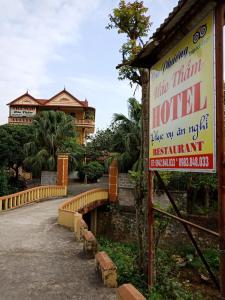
column 23, row 109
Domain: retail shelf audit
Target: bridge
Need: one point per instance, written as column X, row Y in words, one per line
column 40, row 259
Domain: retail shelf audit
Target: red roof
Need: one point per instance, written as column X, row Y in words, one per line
column 46, row 101
column 26, row 94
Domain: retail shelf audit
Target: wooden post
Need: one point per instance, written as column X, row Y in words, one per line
column 150, row 232
column 219, row 19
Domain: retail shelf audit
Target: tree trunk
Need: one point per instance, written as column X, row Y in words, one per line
column 16, row 169
column 141, row 185
column 139, row 197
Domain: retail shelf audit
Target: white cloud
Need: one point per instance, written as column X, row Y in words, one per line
column 108, row 95
column 30, row 34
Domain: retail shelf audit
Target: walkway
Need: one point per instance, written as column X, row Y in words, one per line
column 39, row 260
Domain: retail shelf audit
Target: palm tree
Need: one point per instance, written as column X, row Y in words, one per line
column 127, row 138
column 52, row 130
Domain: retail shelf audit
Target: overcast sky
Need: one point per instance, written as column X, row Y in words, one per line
column 49, row 44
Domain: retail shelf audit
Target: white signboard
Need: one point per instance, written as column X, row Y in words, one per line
column 182, row 104
column 22, row 112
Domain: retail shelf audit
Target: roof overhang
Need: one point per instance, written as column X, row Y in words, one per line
column 184, row 17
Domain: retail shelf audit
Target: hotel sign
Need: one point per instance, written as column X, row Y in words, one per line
column 22, row 112
column 182, row 104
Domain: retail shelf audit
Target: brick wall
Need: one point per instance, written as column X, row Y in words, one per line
column 125, row 181
column 118, row 224
column 125, row 190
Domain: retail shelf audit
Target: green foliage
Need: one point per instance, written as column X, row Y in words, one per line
column 183, row 180
column 160, row 225
column 100, row 143
column 3, row 183
column 126, row 140
column 76, row 152
column 9, row 184
column 15, row 185
column 167, row 286
column 212, row 257
column 12, row 140
column 121, row 140
column 201, row 189
column 130, row 19
column 93, row 171
column 53, row 132
column 124, row 256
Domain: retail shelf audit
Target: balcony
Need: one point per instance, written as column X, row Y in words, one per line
column 23, row 121
column 85, row 123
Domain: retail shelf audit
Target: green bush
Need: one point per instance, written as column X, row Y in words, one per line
column 124, row 256
column 212, row 257
column 167, row 285
column 93, row 170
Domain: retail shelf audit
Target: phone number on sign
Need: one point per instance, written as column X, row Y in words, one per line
column 201, row 161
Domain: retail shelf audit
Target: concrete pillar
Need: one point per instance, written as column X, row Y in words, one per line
column 113, row 181
column 77, row 220
column 62, row 169
column 94, row 221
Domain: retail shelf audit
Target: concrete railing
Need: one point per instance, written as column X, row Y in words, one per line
column 82, row 202
column 15, row 120
column 31, row 195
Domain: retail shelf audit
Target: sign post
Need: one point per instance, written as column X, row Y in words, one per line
column 219, row 20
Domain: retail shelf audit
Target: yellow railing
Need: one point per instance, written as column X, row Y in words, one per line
column 31, row 195
column 84, row 122
column 70, row 208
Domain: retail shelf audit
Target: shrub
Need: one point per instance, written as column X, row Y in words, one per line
column 93, row 170
column 124, row 256
column 167, row 284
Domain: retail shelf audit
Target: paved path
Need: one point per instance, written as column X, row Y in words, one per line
column 40, row 260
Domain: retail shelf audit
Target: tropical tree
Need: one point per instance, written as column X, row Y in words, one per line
column 53, row 132
column 130, row 19
column 121, row 140
column 100, row 143
column 127, row 137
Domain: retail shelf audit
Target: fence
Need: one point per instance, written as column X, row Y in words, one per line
column 77, row 203
column 31, row 195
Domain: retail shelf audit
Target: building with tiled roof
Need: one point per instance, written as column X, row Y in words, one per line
column 25, row 107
